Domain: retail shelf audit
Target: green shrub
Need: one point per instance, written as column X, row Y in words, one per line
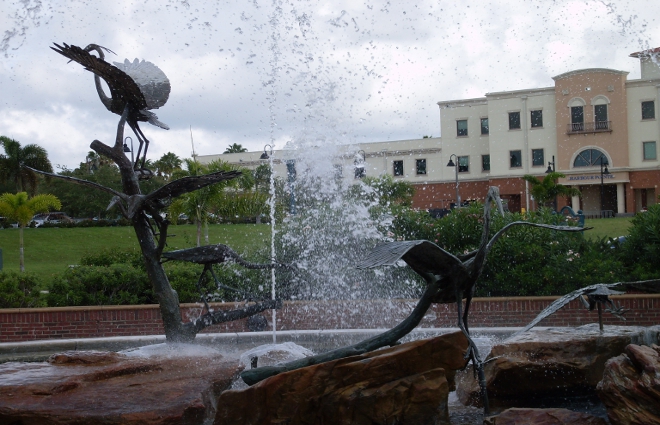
column 526, row 261
column 19, row 290
column 116, row 284
column 641, row 250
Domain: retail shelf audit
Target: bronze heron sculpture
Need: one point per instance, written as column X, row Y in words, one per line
column 450, row 278
column 138, row 86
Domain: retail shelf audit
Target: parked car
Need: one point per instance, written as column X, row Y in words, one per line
column 50, row 218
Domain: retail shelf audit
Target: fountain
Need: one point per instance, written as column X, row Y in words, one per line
column 320, row 252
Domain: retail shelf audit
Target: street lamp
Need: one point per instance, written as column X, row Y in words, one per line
column 551, row 169
column 265, row 155
column 603, row 163
column 451, row 164
column 126, row 149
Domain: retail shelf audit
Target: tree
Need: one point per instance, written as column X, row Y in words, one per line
column 545, row 191
column 18, row 207
column 199, row 204
column 15, row 157
column 167, row 164
column 235, row 148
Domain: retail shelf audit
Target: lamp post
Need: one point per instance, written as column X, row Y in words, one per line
column 551, row 169
column 126, row 149
column 603, row 163
column 451, row 164
column 265, row 155
column 359, row 163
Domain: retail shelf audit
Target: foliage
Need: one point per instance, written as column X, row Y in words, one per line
column 200, row 204
column 118, row 277
column 167, row 165
column 19, row 290
column 546, row 190
column 235, row 148
column 526, row 260
column 19, row 208
column 383, row 190
column 641, row 250
column 12, row 161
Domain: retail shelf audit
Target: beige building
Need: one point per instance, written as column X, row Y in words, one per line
column 594, row 125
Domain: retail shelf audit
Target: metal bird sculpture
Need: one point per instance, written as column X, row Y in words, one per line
column 451, row 277
column 595, row 294
column 216, row 254
column 138, row 85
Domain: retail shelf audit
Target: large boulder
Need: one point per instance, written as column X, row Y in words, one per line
column 405, row 384
column 549, row 365
column 630, row 389
column 517, row 416
column 156, row 385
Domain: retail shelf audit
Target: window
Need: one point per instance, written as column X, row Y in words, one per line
column 537, row 158
column 577, row 118
column 649, row 151
column 485, row 162
column 648, row 110
column 398, row 168
column 461, row 128
column 589, row 158
column 537, row 119
column 515, row 158
column 600, row 113
column 514, row 120
column 484, row 126
column 420, row 166
column 463, row 164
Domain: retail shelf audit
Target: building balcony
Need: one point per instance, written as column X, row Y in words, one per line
column 589, row 127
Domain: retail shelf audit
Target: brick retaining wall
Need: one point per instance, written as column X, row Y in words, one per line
column 108, row 321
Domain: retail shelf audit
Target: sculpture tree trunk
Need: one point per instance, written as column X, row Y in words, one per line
column 166, row 296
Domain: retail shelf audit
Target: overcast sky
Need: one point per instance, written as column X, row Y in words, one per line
column 305, row 72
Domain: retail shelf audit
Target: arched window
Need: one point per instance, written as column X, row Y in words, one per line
column 589, row 158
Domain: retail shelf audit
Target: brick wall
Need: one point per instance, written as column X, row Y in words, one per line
column 107, row 321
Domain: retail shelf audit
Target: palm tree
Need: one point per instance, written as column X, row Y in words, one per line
column 545, row 191
column 235, row 148
column 18, row 207
column 167, row 164
column 198, row 204
column 12, row 161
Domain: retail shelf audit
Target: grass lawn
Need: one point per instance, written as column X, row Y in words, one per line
column 49, row 251
column 610, row 227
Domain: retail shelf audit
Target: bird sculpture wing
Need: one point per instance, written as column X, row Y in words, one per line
column 215, row 254
column 210, row 254
column 422, row 256
column 122, row 87
column 151, row 80
column 188, row 184
column 651, row 286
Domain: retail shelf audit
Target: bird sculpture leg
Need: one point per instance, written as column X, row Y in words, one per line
column 473, row 352
column 143, row 142
column 199, row 286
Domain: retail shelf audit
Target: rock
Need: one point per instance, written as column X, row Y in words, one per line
column 548, row 365
column 405, row 384
column 630, row 389
column 517, row 416
column 171, row 386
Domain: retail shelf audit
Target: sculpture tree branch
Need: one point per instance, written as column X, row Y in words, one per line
column 216, row 317
column 388, row 338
